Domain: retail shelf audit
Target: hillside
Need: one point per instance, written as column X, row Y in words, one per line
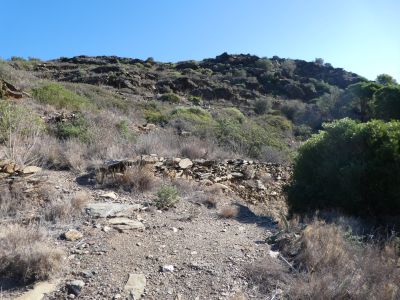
column 129, row 179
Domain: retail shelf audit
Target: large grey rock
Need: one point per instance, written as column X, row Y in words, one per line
column 105, row 210
column 135, row 285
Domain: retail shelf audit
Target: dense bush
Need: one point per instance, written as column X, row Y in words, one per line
column 352, row 167
column 386, row 103
column 76, row 128
column 261, row 106
column 170, row 97
column 57, row 95
column 153, row 113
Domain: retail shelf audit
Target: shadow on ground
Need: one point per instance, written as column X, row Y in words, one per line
column 245, row 215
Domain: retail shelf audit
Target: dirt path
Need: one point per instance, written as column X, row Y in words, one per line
column 208, row 253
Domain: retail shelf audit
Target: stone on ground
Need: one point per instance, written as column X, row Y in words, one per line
column 135, row 285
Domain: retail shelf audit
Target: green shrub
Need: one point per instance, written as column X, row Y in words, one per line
column 167, row 196
column 238, row 133
column 125, row 131
column 76, row 128
column 153, row 113
column 261, row 106
column 194, row 119
column 386, row 103
column 17, row 120
column 57, row 95
column 170, row 97
column 100, row 96
column 196, row 100
column 352, row 167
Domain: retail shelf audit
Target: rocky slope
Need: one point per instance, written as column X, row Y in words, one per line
column 234, row 78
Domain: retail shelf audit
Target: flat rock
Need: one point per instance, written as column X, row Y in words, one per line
column 125, row 224
column 31, row 170
column 110, row 195
column 185, row 163
column 39, row 290
column 105, row 210
column 135, row 285
column 72, row 235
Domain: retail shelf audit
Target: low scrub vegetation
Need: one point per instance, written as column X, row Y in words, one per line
column 26, row 255
column 57, row 95
column 333, row 265
column 167, row 197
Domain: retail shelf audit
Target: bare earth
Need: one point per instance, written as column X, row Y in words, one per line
column 208, row 253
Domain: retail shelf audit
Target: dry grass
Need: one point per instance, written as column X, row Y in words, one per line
column 12, row 200
column 268, row 275
column 336, row 267
column 133, row 179
column 138, row 178
column 66, row 209
column 229, row 212
column 26, row 255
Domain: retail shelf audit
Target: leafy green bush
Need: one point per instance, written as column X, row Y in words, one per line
column 170, row 97
column 386, row 103
column 76, row 128
column 167, row 196
column 261, row 106
column 352, row 167
column 57, row 95
column 193, row 119
column 235, row 131
column 155, row 114
column 196, row 100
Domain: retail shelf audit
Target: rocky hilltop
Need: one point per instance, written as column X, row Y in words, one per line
column 236, row 78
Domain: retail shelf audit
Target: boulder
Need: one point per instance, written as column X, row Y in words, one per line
column 185, row 163
column 72, row 235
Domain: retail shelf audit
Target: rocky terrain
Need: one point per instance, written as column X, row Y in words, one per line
column 133, row 179
column 125, row 247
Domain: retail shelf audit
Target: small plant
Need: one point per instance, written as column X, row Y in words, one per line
column 76, row 128
column 196, row 100
column 229, row 212
column 125, row 131
column 261, row 106
column 170, row 97
column 168, row 196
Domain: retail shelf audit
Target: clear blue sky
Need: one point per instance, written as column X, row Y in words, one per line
column 362, row 36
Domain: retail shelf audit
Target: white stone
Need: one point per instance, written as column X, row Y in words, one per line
column 135, row 285
column 110, row 195
column 167, row 268
column 185, row 163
